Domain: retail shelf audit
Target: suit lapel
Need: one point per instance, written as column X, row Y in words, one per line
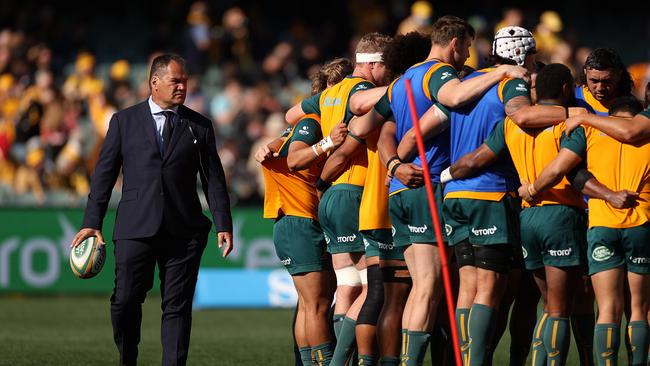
column 179, row 129
column 149, row 126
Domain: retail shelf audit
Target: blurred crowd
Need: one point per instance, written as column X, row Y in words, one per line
column 53, row 119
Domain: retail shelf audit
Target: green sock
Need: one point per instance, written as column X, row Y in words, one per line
column 345, row 343
column 462, row 319
column 583, row 326
column 321, row 355
column 606, row 341
column 337, row 320
column 557, row 338
column 365, row 360
column 416, row 347
column 305, row 355
column 403, row 348
column 389, row 361
column 481, row 318
column 637, row 333
column 538, row 350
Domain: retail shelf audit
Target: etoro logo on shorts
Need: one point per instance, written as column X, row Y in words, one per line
column 384, row 246
column 640, row 260
column 418, row 229
column 560, row 252
column 486, row 231
column 346, row 239
column 601, row 253
column 286, row 262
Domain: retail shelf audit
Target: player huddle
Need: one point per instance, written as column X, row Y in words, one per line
column 514, row 170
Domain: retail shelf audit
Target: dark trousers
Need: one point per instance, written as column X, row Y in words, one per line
column 178, row 264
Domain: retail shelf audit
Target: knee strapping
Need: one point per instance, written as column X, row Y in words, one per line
column 347, row 276
column 464, row 252
column 497, row 257
column 371, row 308
column 363, row 275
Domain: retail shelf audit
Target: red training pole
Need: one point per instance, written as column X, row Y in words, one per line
column 436, row 225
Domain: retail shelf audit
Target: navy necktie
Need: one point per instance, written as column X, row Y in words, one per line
column 167, row 129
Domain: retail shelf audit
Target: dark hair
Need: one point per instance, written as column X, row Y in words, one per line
column 627, row 104
column 550, row 81
column 607, row 58
column 161, row 62
column 331, row 73
column 404, row 51
column 646, row 101
column 449, row 27
column 539, row 65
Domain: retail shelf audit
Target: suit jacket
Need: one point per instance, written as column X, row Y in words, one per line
column 159, row 191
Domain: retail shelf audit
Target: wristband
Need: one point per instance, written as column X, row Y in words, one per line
column 391, row 160
column 446, row 176
column 392, row 165
column 326, row 144
column 393, row 169
column 322, row 185
column 315, row 150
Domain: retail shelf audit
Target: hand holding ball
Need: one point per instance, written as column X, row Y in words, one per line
column 88, row 257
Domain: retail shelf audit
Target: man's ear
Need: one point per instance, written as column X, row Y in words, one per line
column 154, row 82
column 454, row 44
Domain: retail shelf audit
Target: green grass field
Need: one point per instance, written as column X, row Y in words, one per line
column 76, row 330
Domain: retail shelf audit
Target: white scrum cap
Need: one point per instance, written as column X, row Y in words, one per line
column 513, row 43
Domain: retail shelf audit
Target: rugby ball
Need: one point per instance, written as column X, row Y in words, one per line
column 87, row 259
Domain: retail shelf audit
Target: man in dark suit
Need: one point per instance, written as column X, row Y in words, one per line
column 160, row 146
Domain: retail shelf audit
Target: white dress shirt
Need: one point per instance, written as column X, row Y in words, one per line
column 159, row 117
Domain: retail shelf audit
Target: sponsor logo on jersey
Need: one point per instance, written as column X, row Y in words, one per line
column 304, row 131
column 560, row 252
column 346, row 239
column 366, row 243
column 327, row 239
column 485, row 231
column 418, row 229
column 521, row 87
column 601, row 253
column 393, row 231
column 445, row 75
column 524, row 252
column 331, row 102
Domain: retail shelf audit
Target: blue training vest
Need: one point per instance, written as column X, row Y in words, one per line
column 469, row 127
column 437, row 148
